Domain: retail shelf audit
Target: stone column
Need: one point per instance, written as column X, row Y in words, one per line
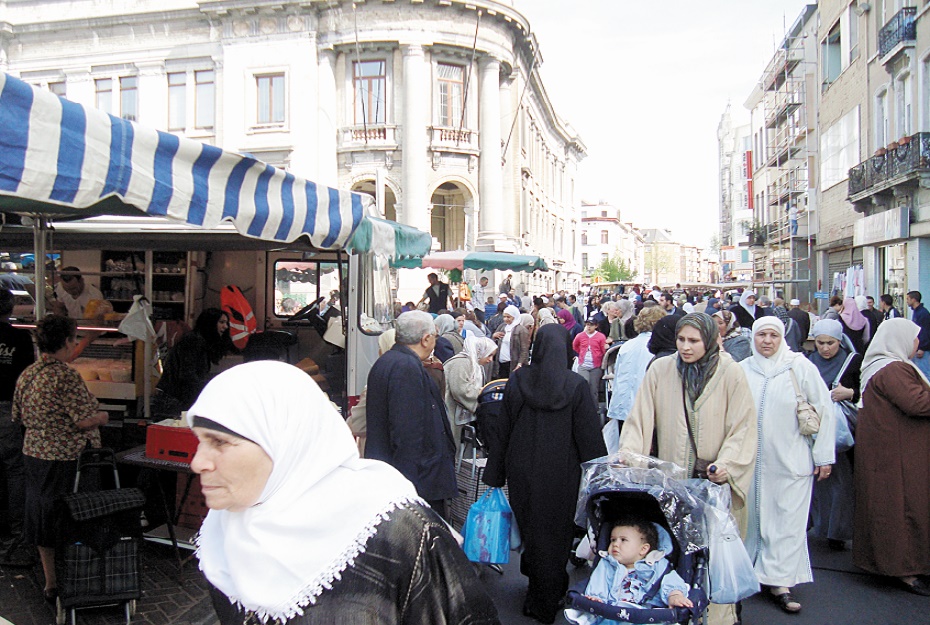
column 510, row 174
column 327, row 120
column 416, row 117
column 490, row 174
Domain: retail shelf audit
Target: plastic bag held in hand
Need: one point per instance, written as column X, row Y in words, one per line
column 487, row 528
column 136, row 323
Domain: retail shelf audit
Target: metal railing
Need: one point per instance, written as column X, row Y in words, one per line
column 907, row 158
column 899, row 28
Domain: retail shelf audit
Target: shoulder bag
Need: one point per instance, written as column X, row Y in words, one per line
column 700, row 466
column 846, row 414
column 808, row 419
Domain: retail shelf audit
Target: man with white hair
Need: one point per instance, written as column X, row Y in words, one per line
column 407, row 423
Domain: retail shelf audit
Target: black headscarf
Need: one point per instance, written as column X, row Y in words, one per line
column 544, row 383
column 695, row 375
column 663, row 339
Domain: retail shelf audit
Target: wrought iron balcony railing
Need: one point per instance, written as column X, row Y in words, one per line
column 908, row 158
column 899, row 28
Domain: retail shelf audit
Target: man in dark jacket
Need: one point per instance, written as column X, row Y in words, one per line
column 921, row 317
column 800, row 317
column 407, row 423
column 16, row 353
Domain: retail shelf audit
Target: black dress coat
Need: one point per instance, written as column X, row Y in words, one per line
column 549, row 426
column 744, row 318
column 407, row 424
column 411, row 572
column 803, row 320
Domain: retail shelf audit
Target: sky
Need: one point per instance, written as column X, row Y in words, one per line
column 645, row 85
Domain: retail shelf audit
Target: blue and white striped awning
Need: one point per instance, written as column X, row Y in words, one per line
column 59, row 156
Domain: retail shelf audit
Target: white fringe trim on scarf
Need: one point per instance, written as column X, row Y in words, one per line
column 324, row 581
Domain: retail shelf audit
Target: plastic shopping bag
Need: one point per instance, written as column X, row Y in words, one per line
column 136, row 323
column 487, row 528
column 844, row 437
column 730, row 570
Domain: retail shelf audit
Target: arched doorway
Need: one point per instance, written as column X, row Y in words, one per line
column 447, row 216
column 368, row 186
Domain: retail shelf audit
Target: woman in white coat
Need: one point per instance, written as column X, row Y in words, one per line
column 786, row 461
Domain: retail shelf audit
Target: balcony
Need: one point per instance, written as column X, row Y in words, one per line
column 906, row 164
column 442, row 139
column 899, row 31
column 368, row 137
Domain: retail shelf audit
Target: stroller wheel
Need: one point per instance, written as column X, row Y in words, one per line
column 60, row 613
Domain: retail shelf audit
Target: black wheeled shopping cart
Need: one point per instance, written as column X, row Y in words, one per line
column 97, row 559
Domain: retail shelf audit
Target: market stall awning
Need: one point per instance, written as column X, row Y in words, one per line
column 475, row 260
column 61, row 158
column 390, row 239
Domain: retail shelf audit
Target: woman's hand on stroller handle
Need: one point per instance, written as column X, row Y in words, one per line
column 717, row 474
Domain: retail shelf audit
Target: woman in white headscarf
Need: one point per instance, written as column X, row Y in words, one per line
column 892, row 472
column 545, row 316
column 514, row 343
column 327, row 532
column 465, row 377
column 746, row 310
column 786, row 461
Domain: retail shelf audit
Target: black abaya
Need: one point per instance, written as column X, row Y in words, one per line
column 549, row 427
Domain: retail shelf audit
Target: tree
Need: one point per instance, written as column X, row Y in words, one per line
column 659, row 263
column 614, row 269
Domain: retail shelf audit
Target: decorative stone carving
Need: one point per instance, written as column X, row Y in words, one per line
column 268, row 26
column 389, row 159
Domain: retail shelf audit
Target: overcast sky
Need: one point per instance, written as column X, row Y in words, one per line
column 645, row 84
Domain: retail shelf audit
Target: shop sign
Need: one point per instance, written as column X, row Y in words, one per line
column 821, row 295
column 883, row 227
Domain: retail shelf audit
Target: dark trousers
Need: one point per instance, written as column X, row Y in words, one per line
column 11, row 456
column 503, row 370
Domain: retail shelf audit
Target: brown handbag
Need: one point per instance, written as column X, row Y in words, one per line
column 700, row 465
column 808, row 419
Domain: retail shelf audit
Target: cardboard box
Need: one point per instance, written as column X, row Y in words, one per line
column 167, row 441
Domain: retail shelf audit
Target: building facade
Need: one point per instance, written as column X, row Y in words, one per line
column 604, row 236
column 663, row 257
column 736, row 198
column 440, row 104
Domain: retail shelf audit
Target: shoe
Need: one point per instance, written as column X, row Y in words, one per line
column 918, row 586
column 528, row 611
column 51, row 594
column 787, row 602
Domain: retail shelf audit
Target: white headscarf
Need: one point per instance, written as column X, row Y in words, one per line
column 514, row 312
column 546, row 317
column 862, row 302
column 321, row 503
column 782, row 357
column 476, row 349
column 742, row 302
column 893, row 342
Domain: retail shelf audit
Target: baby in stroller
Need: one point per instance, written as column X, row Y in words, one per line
column 634, row 570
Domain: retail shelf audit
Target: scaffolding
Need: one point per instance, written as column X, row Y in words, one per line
column 783, row 235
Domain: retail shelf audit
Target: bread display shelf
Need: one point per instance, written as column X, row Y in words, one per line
column 112, row 390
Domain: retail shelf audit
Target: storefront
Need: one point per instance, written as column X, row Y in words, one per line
column 882, row 239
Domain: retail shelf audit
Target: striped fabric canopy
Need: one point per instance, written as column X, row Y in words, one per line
column 57, row 156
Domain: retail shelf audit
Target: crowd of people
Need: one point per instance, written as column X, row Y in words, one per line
column 723, row 386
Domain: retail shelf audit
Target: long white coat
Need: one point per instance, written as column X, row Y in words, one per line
column 780, row 494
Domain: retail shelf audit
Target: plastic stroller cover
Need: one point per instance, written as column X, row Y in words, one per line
column 683, row 501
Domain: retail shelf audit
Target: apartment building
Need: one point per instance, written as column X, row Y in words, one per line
column 440, row 104
column 736, row 198
column 605, row 235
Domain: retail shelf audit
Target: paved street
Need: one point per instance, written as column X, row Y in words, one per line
column 840, row 596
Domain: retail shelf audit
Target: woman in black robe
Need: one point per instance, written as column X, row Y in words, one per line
column 549, row 426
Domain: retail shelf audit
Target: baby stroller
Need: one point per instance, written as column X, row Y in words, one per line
column 610, row 490
column 608, row 362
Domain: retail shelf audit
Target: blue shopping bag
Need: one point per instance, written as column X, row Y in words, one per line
column 487, row 528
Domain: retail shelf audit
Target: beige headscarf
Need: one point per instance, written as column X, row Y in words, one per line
column 546, row 317
column 893, row 342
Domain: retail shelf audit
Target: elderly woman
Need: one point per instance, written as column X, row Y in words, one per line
column 61, row 418
column 513, row 343
column 735, row 342
column 549, row 426
column 465, row 377
column 892, row 523
column 545, row 316
column 331, row 533
column 839, row 366
column 699, row 406
column 448, row 329
column 786, row 461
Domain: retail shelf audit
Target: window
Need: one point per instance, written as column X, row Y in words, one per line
column 129, row 98
column 605, row 237
column 451, row 94
column 839, row 149
column 853, row 32
column 584, row 258
column 370, row 79
column 831, row 55
column 903, row 105
column 882, row 131
column 925, row 94
column 584, row 238
column 58, row 88
column 604, row 257
column 104, row 94
column 270, row 98
column 205, row 95
column 177, row 99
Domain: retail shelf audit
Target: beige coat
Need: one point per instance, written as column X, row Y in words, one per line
column 723, row 420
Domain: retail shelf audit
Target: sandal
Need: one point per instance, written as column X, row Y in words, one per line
column 787, row 602
column 918, row 586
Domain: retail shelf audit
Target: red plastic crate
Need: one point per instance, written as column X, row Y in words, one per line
column 177, row 444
